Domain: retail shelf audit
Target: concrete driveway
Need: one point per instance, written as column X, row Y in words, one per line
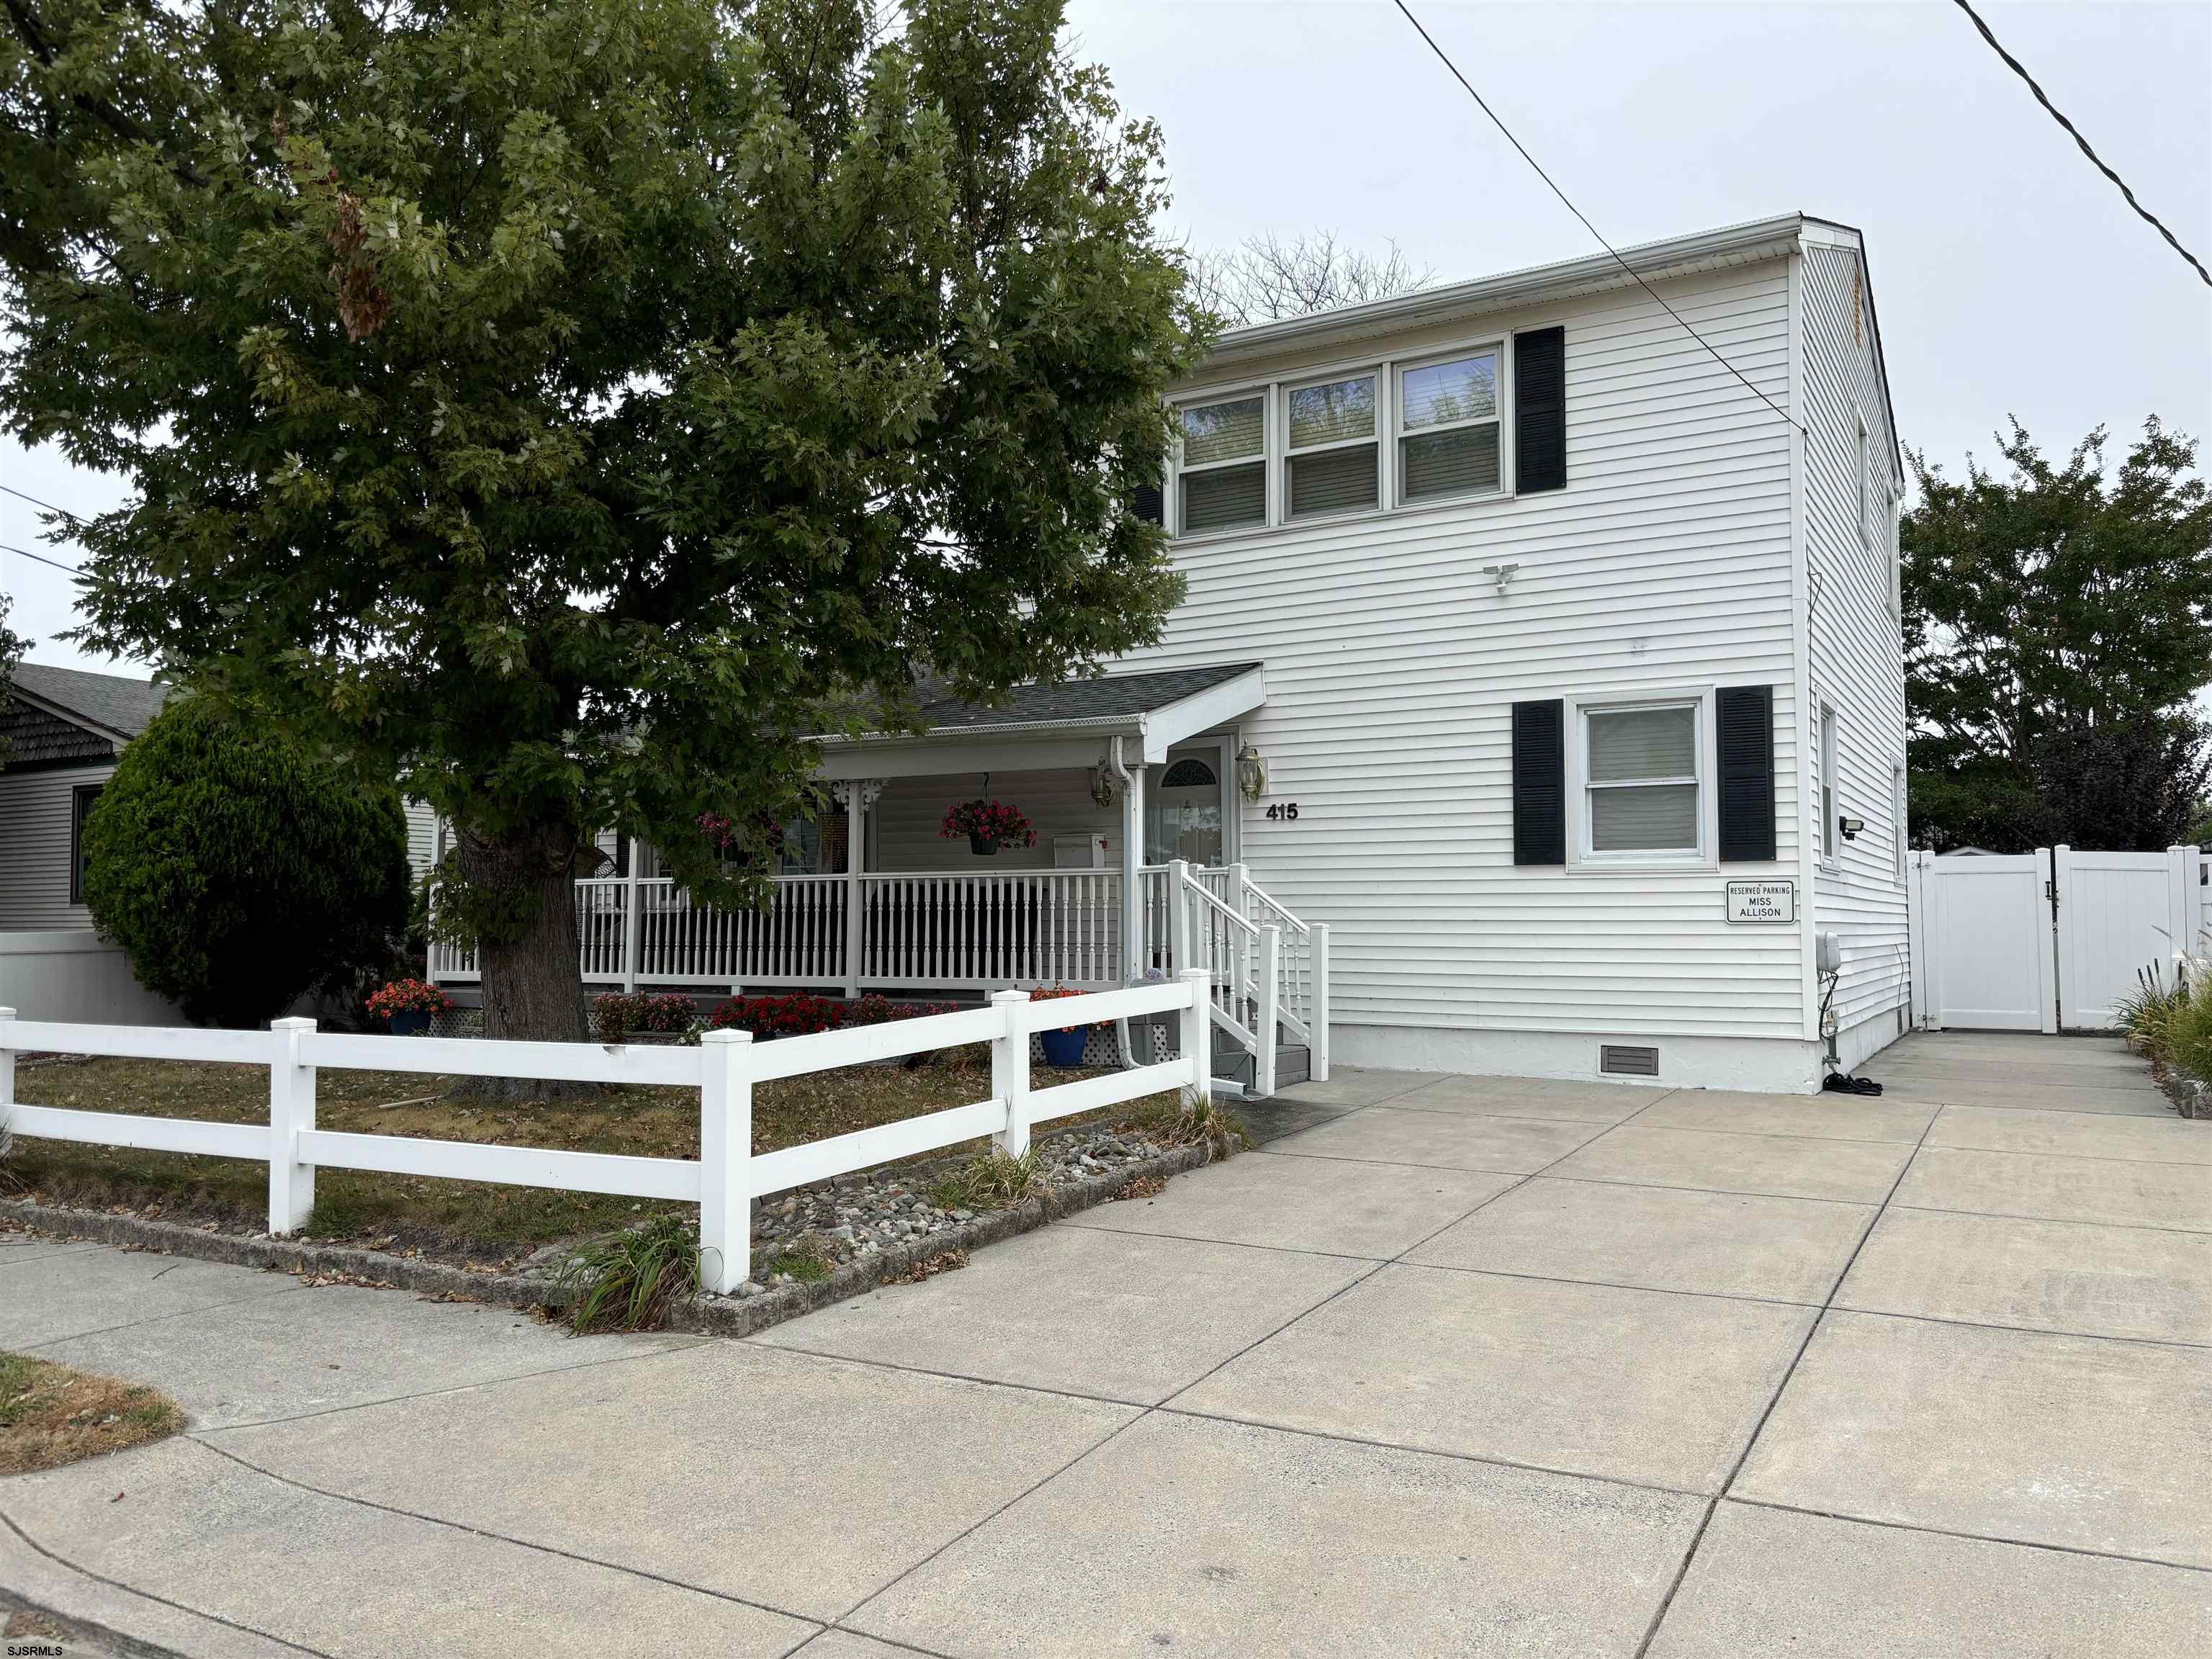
column 1448, row 1366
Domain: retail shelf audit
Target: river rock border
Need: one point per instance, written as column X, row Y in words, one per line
column 706, row 1315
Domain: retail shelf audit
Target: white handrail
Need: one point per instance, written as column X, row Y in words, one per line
column 726, row 1178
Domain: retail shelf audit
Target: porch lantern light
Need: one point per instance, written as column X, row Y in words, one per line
column 1102, row 784
column 1251, row 773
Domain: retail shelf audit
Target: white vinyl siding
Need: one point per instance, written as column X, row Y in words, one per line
column 36, row 837
column 423, row 850
column 1663, row 568
column 1856, row 660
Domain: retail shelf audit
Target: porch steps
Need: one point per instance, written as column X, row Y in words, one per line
column 1293, row 1064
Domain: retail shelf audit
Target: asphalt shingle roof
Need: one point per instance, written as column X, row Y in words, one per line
column 116, row 702
column 1112, row 696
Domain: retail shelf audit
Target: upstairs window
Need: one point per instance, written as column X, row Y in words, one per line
column 1332, row 465
column 1640, row 780
column 1828, row 785
column 81, row 800
column 1447, row 423
column 1223, row 481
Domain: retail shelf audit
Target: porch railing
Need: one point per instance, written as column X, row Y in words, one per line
column 920, row 932
column 1267, row 968
column 1022, row 927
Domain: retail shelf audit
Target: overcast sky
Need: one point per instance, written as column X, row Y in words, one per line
column 2008, row 276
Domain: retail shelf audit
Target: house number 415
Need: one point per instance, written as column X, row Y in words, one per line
column 1283, row 812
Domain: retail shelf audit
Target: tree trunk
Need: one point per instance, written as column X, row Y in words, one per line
column 533, row 991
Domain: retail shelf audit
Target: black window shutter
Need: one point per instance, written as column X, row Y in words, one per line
column 1147, row 503
column 1540, row 782
column 1540, row 409
column 1745, row 715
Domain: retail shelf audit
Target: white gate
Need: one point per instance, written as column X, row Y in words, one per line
column 2051, row 939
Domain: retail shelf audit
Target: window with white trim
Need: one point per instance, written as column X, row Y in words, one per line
column 1222, row 483
column 1332, row 461
column 1449, row 427
column 1827, row 783
column 1642, row 776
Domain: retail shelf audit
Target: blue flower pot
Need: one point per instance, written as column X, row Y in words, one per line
column 413, row 1023
column 1063, row 1048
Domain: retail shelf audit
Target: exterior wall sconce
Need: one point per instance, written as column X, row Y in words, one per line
column 1101, row 785
column 1251, row 773
column 1850, row 827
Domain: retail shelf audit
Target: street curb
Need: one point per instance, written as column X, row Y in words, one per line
column 706, row 1315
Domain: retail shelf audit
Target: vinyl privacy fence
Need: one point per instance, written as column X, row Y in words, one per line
column 728, row 1174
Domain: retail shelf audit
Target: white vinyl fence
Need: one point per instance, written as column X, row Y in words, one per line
column 2050, row 940
column 727, row 1176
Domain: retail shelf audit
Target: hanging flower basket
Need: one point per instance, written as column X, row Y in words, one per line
column 988, row 825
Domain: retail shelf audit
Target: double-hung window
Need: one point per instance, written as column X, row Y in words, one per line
column 81, row 802
column 1641, row 780
column 1448, row 426
column 1223, row 483
column 1331, row 463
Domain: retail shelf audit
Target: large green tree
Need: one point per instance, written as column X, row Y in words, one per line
column 2058, row 626
column 556, row 402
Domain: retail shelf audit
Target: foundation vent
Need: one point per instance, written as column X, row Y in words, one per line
column 1617, row 1059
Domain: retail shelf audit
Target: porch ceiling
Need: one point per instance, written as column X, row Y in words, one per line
column 1052, row 725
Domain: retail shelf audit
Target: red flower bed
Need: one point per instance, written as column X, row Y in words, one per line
column 799, row 1014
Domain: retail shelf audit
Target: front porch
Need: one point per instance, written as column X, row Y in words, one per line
column 1130, row 785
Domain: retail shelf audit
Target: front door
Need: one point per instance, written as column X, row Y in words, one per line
column 1185, row 808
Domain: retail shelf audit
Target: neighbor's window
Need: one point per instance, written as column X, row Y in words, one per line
column 81, row 800
column 1447, row 428
column 1224, row 480
column 1828, row 783
column 1640, row 779
column 1332, row 465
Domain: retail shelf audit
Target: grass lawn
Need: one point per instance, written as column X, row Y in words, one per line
column 51, row 1415
column 444, row 1217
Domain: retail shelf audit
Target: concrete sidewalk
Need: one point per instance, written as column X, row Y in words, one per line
column 1449, row 1365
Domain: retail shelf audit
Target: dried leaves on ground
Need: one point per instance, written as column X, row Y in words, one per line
column 51, row 1415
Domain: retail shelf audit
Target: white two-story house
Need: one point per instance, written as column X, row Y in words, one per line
column 1536, row 704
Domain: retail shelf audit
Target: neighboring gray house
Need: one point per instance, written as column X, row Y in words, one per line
column 65, row 728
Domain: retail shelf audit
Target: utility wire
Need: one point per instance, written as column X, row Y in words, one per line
column 2015, row 66
column 9, row 547
column 1445, row 58
column 35, row 501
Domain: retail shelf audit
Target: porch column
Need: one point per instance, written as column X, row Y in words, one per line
column 856, row 796
column 1132, row 858
column 633, row 922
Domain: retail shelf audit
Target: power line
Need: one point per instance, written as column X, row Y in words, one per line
column 35, row 501
column 1444, row 57
column 9, row 547
column 2015, row 66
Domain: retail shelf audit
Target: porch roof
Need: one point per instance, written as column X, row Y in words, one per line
column 1058, row 724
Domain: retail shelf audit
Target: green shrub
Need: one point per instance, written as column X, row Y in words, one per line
column 2185, row 1037
column 238, row 871
column 2152, row 1012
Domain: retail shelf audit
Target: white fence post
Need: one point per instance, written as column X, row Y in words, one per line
column 1264, row 1013
column 1197, row 1045
column 1176, row 900
column 1916, row 913
column 7, row 1070
column 291, row 1110
column 725, row 1155
column 1010, row 1071
column 1318, row 1015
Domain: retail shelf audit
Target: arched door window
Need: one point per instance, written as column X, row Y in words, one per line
column 1183, row 812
